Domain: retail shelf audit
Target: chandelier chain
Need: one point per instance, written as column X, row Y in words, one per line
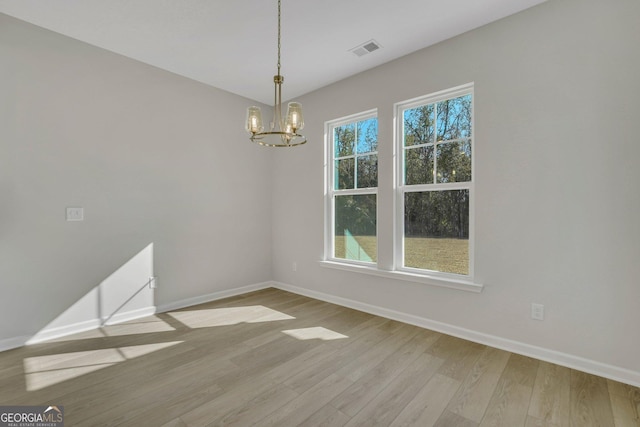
column 278, row 37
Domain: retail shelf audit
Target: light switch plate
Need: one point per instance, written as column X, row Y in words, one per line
column 75, row 214
column 537, row 311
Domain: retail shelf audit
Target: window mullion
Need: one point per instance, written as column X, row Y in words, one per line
column 355, row 156
column 438, row 187
column 435, row 142
column 355, row 191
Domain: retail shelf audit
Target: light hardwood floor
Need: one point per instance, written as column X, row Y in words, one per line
column 272, row 358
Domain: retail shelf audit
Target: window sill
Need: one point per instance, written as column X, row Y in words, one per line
column 461, row 285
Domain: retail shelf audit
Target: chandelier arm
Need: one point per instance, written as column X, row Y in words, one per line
column 277, row 104
column 280, row 121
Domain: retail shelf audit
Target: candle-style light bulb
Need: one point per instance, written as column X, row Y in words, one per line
column 294, row 116
column 254, row 120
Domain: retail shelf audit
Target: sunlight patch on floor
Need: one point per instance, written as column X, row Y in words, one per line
column 228, row 316
column 78, row 336
column 45, row 371
column 146, row 325
column 315, row 333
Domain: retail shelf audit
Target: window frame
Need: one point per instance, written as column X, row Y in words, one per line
column 390, row 267
column 331, row 192
column 401, row 188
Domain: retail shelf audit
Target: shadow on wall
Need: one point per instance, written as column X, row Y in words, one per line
column 128, row 293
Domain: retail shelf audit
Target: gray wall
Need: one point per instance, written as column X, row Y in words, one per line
column 557, row 197
column 155, row 158
column 152, row 157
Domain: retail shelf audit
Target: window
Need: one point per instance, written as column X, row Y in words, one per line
column 435, row 183
column 425, row 234
column 352, row 188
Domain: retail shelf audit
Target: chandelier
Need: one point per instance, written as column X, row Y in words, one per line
column 282, row 132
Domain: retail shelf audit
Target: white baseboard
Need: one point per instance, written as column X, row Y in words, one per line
column 129, row 315
column 87, row 325
column 188, row 302
column 571, row 361
column 61, row 331
column 568, row 360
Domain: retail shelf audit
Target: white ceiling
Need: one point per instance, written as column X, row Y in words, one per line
column 232, row 44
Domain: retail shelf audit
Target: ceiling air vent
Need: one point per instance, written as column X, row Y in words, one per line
column 366, row 47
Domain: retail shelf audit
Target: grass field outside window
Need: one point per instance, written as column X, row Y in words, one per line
column 436, row 254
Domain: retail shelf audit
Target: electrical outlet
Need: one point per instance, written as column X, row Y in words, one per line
column 75, row 214
column 537, row 311
column 294, row 266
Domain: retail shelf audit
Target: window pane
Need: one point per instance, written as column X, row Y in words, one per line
column 454, row 118
column 368, row 171
column 418, row 125
column 355, row 228
column 367, row 136
column 418, row 166
column 344, row 139
column 436, row 231
column 454, row 161
column 344, row 174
